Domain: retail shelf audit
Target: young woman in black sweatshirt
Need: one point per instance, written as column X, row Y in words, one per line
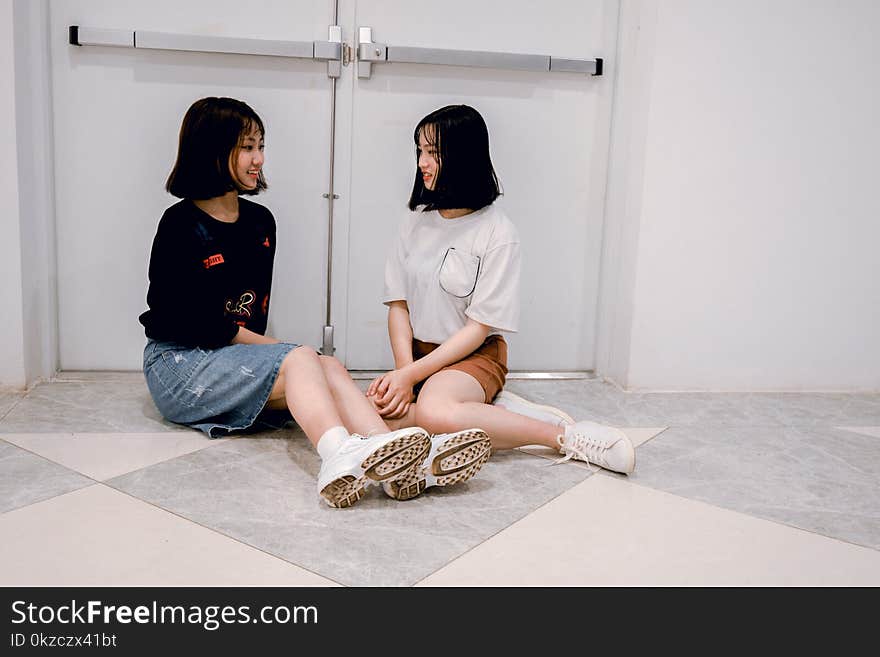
column 208, row 361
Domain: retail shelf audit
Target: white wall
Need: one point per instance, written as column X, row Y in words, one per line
column 36, row 189
column 741, row 230
column 758, row 220
column 631, row 68
column 12, row 369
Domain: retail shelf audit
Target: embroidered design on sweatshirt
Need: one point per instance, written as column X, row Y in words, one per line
column 243, row 307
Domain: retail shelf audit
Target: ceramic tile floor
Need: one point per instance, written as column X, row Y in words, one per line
column 778, row 489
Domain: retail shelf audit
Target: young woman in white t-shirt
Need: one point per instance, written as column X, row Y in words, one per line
column 452, row 288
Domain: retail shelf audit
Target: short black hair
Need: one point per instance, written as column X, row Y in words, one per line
column 210, row 135
column 466, row 178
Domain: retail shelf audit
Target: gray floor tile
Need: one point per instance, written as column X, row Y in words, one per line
column 582, row 399
column 810, row 409
column 87, row 407
column 820, row 479
column 101, row 376
column 99, row 402
column 605, row 403
column 602, row 402
column 261, row 491
column 26, row 478
column 764, row 454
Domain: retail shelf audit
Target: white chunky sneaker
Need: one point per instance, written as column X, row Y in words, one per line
column 516, row 404
column 606, row 447
column 361, row 461
column 454, row 457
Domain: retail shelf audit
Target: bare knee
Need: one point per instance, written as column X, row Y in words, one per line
column 276, row 396
column 296, row 357
column 437, row 415
column 332, row 366
column 335, row 373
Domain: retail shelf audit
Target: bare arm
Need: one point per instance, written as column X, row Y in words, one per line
column 462, row 343
column 246, row 336
column 394, row 390
column 400, row 333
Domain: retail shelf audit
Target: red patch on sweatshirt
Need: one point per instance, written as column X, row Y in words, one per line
column 215, row 259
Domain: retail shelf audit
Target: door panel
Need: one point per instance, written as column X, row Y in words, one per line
column 117, row 112
column 549, row 140
column 117, row 116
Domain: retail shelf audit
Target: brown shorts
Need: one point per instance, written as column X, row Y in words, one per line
column 488, row 364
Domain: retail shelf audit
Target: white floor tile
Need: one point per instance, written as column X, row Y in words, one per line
column 98, row 536
column 103, row 456
column 608, row 532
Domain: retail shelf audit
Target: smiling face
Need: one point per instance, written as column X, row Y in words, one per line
column 246, row 161
column 429, row 162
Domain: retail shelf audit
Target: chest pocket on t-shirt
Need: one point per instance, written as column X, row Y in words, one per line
column 458, row 273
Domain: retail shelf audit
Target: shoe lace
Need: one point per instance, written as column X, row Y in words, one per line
column 582, row 447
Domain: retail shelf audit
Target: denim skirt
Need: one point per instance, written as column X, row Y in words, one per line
column 215, row 390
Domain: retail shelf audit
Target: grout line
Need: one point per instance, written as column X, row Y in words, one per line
column 106, row 484
column 218, row 532
column 48, row 460
column 48, row 499
column 77, row 472
column 14, row 404
column 776, row 426
column 503, row 529
column 72, row 434
column 625, row 480
column 662, row 431
column 738, row 512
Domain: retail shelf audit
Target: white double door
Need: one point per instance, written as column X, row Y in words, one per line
column 117, row 112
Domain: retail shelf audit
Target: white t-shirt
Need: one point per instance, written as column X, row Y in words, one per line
column 449, row 270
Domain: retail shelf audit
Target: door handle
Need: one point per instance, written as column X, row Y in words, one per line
column 370, row 52
column 323, row 51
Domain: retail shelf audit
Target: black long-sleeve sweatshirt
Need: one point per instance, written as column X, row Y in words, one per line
column 208, row 277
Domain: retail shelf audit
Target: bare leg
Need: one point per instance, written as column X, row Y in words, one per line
column 357, row 411
column 453, row 401
column 348, row 465
column 406, row 420
column 302, row 386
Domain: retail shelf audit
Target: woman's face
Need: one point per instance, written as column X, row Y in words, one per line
column 429, row 163
column 247, row 163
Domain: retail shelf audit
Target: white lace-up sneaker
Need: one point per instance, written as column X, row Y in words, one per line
column 454, row 457
column 516, row 404
column 606, row 447
column 361, row 461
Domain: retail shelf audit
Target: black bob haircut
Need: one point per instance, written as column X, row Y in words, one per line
column 210, row 137
column 466, row 178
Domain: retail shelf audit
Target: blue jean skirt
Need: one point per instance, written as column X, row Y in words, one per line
column 215, row 390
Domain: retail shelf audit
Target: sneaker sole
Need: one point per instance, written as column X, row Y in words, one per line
column 551, row 410
column 388, row 462
column 458, row 459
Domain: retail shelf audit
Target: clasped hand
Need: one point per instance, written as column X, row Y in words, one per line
column 392, row 393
